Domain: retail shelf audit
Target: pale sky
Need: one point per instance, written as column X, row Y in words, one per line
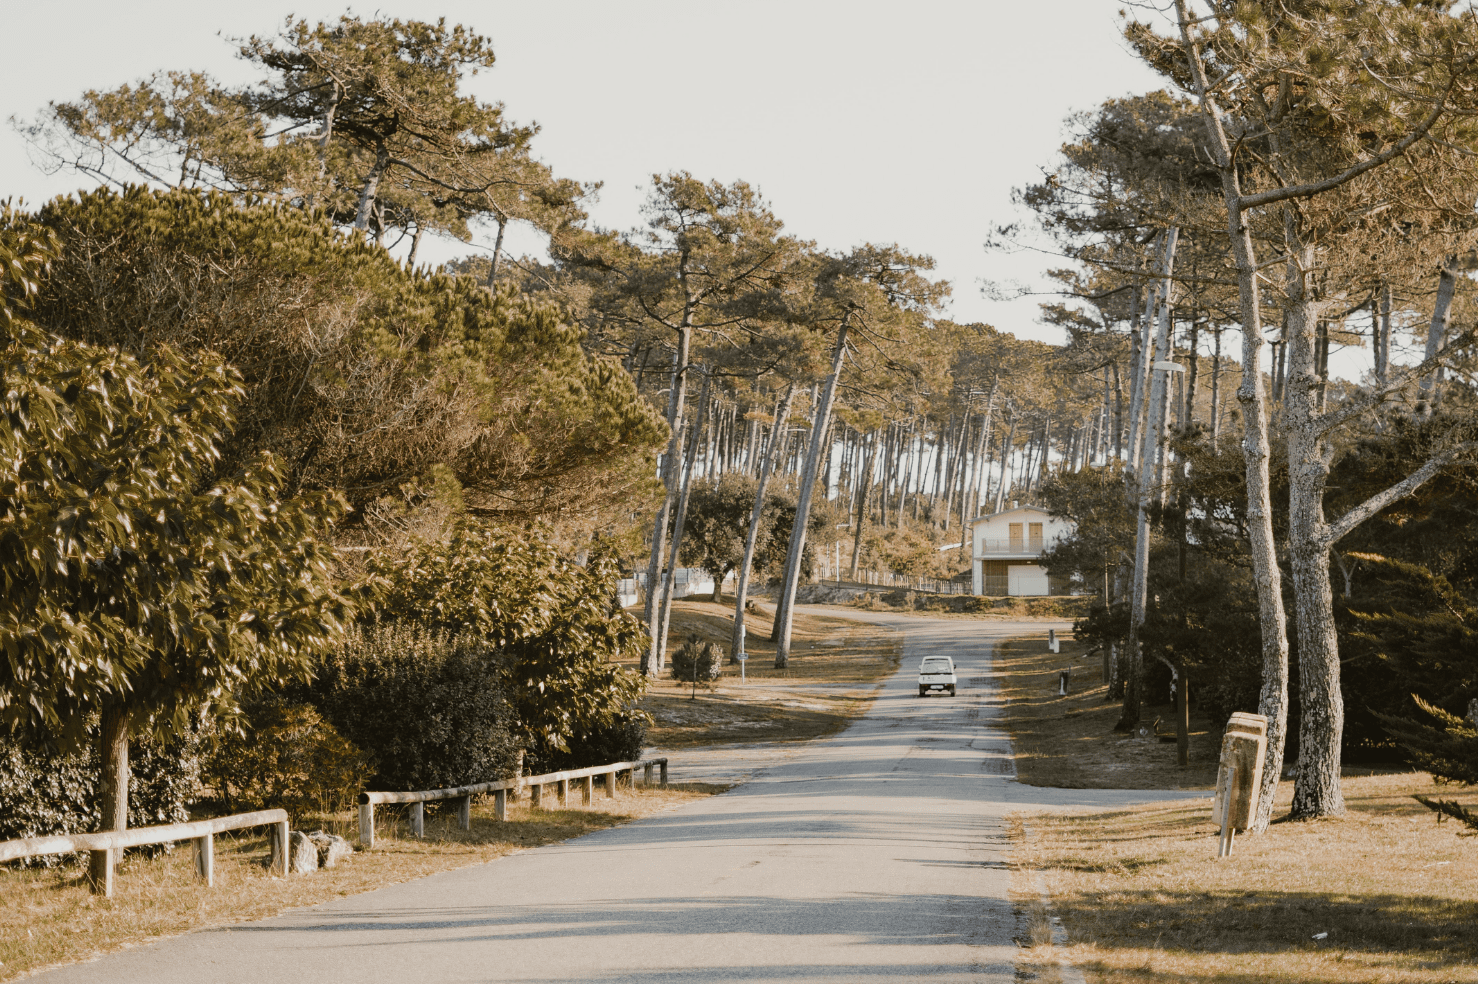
column 858, row 121
column 905, row 123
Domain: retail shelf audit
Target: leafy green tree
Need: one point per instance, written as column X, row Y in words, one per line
column 358, row 375
column 718, row 522
column 363, row 120
column 139, row 585
column 556, row 625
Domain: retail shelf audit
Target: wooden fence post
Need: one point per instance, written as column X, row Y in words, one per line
column 611, row 784
column 500, row 804
column 418, row 819
column 280, row 834
column 562, row 792
column 367, row 825
column 205, row 859
column 646, row 776
column 100, row 873
column 587, row 790
column 536, row 795
column 464, row 813
column 664, row 773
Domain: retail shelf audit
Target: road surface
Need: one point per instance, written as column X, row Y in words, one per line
column 879, row 854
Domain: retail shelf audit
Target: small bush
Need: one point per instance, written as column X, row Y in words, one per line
column 705, row 659
column 285, row 756
column 428, row 709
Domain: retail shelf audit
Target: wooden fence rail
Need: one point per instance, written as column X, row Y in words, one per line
column 501, row 791
column 109, row 844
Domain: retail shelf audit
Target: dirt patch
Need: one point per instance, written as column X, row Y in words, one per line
column 834, row 669
column 1069, row 742
column 1386, row 894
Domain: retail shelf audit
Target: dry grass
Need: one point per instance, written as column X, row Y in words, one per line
column 833, row 671
column 1145, row 900
column 48, row 917
column 1069, row 742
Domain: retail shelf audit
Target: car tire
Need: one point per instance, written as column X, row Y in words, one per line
column 951, row 691
column 922, row 691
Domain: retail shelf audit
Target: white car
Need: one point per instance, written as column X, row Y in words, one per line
column 937, row 673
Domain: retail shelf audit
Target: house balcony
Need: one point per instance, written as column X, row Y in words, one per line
column 1024, row 547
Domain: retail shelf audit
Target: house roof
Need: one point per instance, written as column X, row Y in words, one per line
column 1007, row 512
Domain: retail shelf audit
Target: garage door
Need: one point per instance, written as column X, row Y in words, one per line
column 1027, row 580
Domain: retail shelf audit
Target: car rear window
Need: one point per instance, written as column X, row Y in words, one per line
column 936, row 666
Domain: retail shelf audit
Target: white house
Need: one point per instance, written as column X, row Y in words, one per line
column 1006, row 547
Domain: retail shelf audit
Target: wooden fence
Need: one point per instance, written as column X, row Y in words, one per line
column 109, row 844
column 501, row 791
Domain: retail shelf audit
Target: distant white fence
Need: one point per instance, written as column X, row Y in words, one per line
column 888, row 579
column 686, row 582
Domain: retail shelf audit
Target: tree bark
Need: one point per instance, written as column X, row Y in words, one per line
column 741, row 584
column 1006, row 443
column 1216, row 389
column 1321, row 724
column 1383, row 336
column 820, row 426
column 1148, row 473
column 1273, row 701
column 113, row 789
column 369, row 189
column 1430, row 395
column 864, row 485
column 670, row 582
column 676, row 397
column 497, row 250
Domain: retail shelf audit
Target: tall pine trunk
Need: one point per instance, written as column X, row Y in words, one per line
column 669, row 583
column 864, row 486
column 741, row 583
column 676, row 397
column 1273, row 700
column 820, row 427
column 1148, row 474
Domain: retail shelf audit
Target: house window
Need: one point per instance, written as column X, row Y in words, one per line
column 1018, row 541
column 1036, row 537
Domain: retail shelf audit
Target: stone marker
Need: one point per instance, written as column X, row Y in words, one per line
column 302, row 853
column 1238, row 777
column 331, row 848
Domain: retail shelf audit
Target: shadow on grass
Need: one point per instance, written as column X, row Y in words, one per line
column 1278, row 922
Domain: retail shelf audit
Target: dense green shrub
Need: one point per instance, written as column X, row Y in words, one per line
column 44, row 790
column 700, row 661
column 552, row 628
column 429, row 709
column 622, row 740
column 284, row 755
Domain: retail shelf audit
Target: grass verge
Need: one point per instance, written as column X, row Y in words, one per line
column 1069, row 742
column 834, row 668
column 1145, row 900
column 48, row 917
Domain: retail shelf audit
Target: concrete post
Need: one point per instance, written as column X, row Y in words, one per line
column 205, row 857
column 367, row 825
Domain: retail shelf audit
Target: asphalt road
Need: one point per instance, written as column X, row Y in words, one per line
column 879, row 854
